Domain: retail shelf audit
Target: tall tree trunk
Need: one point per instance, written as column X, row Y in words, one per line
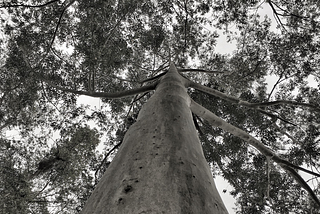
column 160, row 167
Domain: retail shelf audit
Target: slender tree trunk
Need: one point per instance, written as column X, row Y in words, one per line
column 160, row 167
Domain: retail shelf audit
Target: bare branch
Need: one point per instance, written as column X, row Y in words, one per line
column 274, row 116
column 153, row 78
column 274, row 87
column 113, row 29
column 140, row 97
column 105, row 158
column 280, row 102
column 218, row 122
column 26, row 5
column 115, row 95
column 200, row 70
column 276, row 15
column 59, row 21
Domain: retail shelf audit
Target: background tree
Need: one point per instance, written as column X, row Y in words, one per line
column 53, row 51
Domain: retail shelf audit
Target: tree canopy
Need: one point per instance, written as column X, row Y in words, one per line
column 52, row 52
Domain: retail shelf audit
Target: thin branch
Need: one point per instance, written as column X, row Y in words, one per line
column 302, row 182
column 268, row 177
column 213, row 92
column 27, row 5
column 274, row 87
column 140, row 97
column 153, row 78
column 114, row 28
column 185, row 25
column 105, row 158
column 280, row 102
column 276, row 14
column 287, row 13
column 59, row 21
column 122, row 79
column 115, row 95
column 200, row 70
column 218, row 122
column 286, row 134
column 253, row 71
column 275, row 117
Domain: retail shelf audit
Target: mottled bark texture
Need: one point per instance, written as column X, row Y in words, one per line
column 160, row 167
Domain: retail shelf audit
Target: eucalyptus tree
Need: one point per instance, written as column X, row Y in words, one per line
column 126, row 52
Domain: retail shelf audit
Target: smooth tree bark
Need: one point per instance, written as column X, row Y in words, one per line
column 160, row 167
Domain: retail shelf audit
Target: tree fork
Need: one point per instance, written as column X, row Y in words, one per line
column 160, row 166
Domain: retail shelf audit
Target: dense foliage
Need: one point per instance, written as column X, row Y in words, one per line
column 48, row 49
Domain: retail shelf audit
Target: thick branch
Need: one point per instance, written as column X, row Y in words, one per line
column 218, row 122
column 115, row 95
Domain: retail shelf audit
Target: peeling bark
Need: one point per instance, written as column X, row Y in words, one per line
column 160, row 167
